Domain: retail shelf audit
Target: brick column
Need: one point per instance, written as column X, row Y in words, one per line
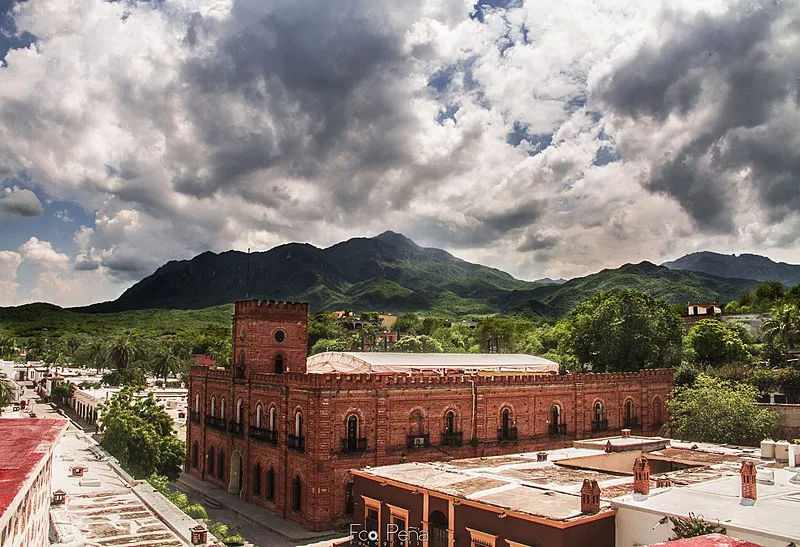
column 641, row 476
column 749, row 488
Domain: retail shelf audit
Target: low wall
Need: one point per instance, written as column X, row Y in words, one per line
column 788, row 420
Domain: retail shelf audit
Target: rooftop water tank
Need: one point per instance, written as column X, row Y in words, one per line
column 768, row 449
column 782, row 451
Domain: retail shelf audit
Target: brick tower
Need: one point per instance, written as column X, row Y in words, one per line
column 269, row 336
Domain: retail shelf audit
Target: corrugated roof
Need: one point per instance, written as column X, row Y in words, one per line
column 381, row 362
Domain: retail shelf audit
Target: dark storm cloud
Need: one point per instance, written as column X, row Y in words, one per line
column 19, row 203
column 537, row 241
column 323, row 79
column 740, row 58
column 85, row 265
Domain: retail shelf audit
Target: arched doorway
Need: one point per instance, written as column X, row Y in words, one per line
column 235, row 481
column 210, row 462
column 195, row 450
column 349, row 499
column 278, row 364
column 437, row 524
column 297, row 494
column 270, row 489
column 658, row 411
column 352, row 433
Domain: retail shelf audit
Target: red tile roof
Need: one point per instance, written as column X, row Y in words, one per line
column 709, row 540
column 24, row 442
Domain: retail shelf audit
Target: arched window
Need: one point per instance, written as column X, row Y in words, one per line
column 658, row 410
column 505, row 421
column 258, row 416
column 220, row 464
column 599, row 412
column 239, row 404
column 555, row 414
column 213, row 405
column 629, row 414
column 278, row 363
column 195, row 449
column 270, row 489
column 257, row 479
column 222, row 408
column 557, row 425
column 197, row 402
column 297, row 494
column 298, row 424
column 210, row 462
column 599, row 422
column 416, row 423
column 349, row 499
column 241, row 357
column 272, row 418
column 450, row 422
column 437, row 524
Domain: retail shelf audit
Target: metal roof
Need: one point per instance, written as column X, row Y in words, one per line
column 381, row 362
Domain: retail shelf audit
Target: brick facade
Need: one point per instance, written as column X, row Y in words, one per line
column 386, row 415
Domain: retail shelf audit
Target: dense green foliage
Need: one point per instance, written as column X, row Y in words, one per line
column 719, row 411
column 138, row 432
column 5, row 392
column 624, row 331
column 714, row 343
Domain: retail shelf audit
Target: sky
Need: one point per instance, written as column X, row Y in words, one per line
column 544, row 138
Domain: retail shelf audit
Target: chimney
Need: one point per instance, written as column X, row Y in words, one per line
column 641, row 476
column 541, row 456
column 748, row 472
column 626, row 432
column 590, row 496
column 663, row 482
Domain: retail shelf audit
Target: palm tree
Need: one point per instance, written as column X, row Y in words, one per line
column 8, row 348
column 783, row 327
column 5, row 392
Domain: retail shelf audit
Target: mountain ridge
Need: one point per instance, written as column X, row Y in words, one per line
column 743, row 265
column 390, row 272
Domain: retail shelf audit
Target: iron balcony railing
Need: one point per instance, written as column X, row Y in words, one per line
column 354, row 444
column 264, row 435
column 452, row 438
column 600, row 425
column 236, row 428
column 418, row 441
column 631, row 422
column 557, row 429
column 507, row 433
column 296, row 442
column 216, row 423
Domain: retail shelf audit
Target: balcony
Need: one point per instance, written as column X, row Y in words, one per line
column 556, row 429
column 238, row 372
column 354, row 444
column 296, row 442
column 452, row 438
column 418, row 441
column 631, row 422
column 264, row 435
column 216, row 423
column 507, row 434
column 195, row 417
column 600, row 425
column 236, row 428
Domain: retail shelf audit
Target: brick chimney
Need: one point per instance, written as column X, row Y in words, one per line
column 541, row 456
column 748, row 472
column 641, row 476
column 590, row 496
column 663, row 482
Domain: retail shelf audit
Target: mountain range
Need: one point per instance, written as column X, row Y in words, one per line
column 746, row 266
column 389, row 272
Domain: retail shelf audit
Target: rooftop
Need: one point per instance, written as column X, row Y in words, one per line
column 24, row 444
column 720, row 501
column 380, row 362
column 709, row 540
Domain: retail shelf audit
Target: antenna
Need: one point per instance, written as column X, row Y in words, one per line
column 247, row 281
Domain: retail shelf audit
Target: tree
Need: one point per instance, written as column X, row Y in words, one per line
column 325, row 344
column 694, row 526
column 418, row 344
column 624, row 331
column 123, row 355
column 714, row 343
column 139, row 434
column 9, row 348
column 782, row 329
column 719, row 411
column 5, row 392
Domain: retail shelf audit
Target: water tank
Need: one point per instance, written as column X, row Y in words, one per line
column 782, row 451
column 768, row 449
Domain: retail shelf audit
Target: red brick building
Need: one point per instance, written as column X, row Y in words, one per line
column 285, row 438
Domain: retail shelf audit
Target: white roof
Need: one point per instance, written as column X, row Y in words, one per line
column 719, row 500
column 380, row 362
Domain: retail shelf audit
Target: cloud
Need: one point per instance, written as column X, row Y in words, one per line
column 41, row 253
column 544, row 138
column 9, row 261
column 19, row 202
column 718, row 96
column 63, row 216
